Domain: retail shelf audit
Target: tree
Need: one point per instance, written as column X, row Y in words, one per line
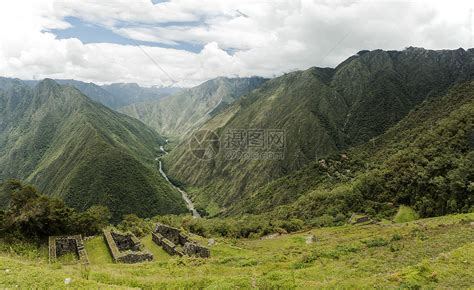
column 134, row 224
column 93, row 220
column 34, row 216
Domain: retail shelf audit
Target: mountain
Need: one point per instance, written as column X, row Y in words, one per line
column 176, row 115
column 94, row 92
column 131, row 93
column 115, row 95
column 425, row 161
column 56, row 138
column 320, row 112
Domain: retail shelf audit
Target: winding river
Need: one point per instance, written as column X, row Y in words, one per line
column 184, row 194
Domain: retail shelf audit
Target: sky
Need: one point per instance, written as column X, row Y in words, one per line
column 185, row 42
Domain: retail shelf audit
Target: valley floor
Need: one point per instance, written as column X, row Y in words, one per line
column 437, row 252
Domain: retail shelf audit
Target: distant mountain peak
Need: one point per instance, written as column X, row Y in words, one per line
column 180, row 113
column 47, row 83
column 47, row 88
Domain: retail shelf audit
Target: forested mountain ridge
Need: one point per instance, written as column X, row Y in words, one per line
column 425, row 161
column 56, row 138
column 322, row 112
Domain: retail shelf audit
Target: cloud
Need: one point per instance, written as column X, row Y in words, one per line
column 272, row 38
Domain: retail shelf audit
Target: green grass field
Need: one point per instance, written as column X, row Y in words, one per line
column 436, row 252
column 405, row 214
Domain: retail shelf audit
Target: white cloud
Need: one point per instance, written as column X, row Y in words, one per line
column 276, row 37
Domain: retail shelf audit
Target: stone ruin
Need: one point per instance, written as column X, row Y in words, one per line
column 176, row 243
column 126, row 248
column 62, row 245
column 359, row 219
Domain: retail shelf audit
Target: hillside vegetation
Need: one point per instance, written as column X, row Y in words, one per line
column 426, row 161
column 437, row 252
column 57, row 139
column 326, row 112
column 374, row 187
column 33, row 217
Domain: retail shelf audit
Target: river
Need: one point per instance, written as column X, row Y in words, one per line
column 184, row 194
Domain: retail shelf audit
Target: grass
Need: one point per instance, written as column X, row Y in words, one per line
column 97, row 251
column 405, row 214
column 436, row 252
column 158, row 253
column 69, row 258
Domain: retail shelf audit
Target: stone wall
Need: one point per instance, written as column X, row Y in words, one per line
column 126, row 248
column 61, row 245
column 359, row 219
column 193, row 249
column 166, row 244
column 171, row 240
column 126, row 242
column 170, row 233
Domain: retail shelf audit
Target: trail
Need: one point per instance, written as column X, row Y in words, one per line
column 184, row 194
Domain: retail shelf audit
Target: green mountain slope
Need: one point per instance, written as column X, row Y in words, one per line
column 322, row 111
column 176, row 115
column 425, row 161
column 71, row 147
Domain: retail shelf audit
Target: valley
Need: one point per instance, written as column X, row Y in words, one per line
column 184, row 194
column 177, row 115
column 268, row 174
column 290, row 144
column 323, row 113
column 72, row 148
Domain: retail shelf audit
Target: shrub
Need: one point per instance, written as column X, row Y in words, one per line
column 396, row 237
column 92, row 221
column 137, row 226
column 291, row 225
column 377, row 242
column 322, row 221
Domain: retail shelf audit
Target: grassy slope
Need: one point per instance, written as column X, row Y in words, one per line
column 68, row 146
column 322, row 111
column 435, row 252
